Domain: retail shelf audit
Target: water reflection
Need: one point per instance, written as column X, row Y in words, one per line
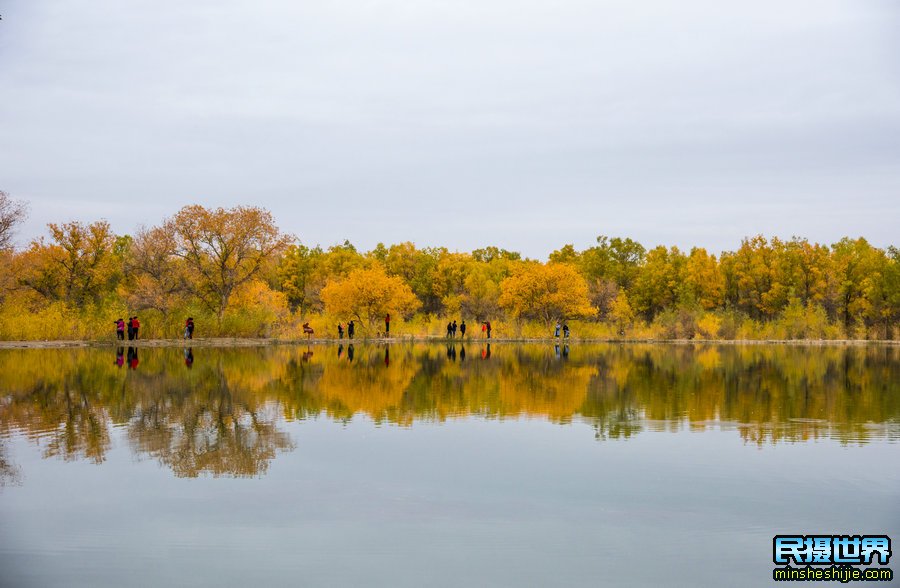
column 133, row 358
column 10, row 473
column 222, row 415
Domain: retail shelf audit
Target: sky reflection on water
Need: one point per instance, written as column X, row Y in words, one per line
column 412, row 466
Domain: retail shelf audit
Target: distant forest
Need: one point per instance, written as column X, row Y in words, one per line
column 237, row 274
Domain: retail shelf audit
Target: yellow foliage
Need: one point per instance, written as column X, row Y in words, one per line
column 620, row 312
column 367, row 295
column 546, row 292
column 708, row 326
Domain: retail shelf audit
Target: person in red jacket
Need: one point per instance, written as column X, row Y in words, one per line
column 135, row 325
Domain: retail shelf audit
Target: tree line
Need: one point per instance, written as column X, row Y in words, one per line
column 239, row 274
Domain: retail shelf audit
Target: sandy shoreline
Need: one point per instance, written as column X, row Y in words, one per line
column 251, row 342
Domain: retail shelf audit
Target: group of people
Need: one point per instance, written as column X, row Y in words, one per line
column 452, row 328
column 133, row 326
column 351, row 330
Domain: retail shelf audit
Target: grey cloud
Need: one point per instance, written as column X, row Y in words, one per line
column 524, row 124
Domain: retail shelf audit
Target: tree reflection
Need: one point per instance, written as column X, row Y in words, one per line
column 10, row 473
column 223, row 416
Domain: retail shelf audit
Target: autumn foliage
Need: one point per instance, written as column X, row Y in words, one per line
column 367, row 295
column 237, row 274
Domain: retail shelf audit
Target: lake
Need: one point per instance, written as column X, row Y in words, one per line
column 433, row 465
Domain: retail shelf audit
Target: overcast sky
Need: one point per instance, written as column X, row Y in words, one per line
column 518, row 123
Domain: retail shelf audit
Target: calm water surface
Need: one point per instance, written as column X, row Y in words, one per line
column 428, row 465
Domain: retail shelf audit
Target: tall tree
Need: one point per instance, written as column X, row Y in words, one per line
column 157, row 275
column 79, row 265
column 748, row 276
column 225, row 248
column 660, row 283
column 809, row 267
column 857, row 271
column 297, row 271
column 703, row 282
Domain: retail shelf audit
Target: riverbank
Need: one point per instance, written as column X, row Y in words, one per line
column 260, row 342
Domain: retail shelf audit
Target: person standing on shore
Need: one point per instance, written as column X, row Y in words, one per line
column 120, row 329
column 340, row 331
column 565, row 330
column 189, row 328
column 387, row 325
column 487, row 327
column 350, row 330
column 135, row 325
column 556, row 332
column 462, row 329
column 455, row 327
column 130, row 326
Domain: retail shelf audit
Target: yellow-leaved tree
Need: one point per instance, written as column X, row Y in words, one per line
column 621, row 313
column 224, row 249
column 79, row 265
column 367, row 295
column 551, row 292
